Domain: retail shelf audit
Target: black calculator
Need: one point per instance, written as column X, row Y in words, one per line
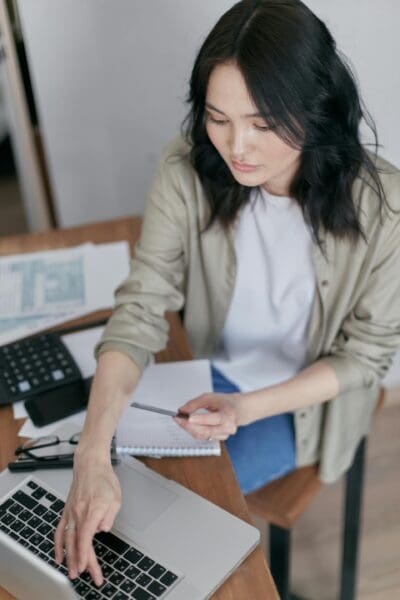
column 35, row 365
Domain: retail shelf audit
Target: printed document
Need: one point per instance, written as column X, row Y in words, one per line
column 43, row 289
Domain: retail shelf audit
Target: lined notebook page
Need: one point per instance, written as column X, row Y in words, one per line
column 168, row 385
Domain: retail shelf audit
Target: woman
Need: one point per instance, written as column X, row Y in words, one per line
column 276, row 231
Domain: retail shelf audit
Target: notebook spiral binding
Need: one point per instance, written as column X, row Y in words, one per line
column 168, row 451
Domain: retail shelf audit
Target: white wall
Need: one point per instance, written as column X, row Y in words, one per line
column 367, row 32
column 110, row 79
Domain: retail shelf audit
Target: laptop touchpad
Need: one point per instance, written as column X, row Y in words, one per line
column 143, row 498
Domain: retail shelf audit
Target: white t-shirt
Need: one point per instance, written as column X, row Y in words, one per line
column 264, row 337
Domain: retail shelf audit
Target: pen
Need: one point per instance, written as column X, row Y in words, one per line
column 161, row 411
column 33, row 465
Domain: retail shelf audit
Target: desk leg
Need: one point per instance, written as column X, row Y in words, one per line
column 279, row 545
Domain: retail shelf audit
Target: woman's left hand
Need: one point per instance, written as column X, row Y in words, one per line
column 219, row 423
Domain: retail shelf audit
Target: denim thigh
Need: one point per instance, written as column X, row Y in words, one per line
column 262, row 451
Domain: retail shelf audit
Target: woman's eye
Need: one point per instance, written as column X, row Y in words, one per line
column 262, row 127
column 216, row 121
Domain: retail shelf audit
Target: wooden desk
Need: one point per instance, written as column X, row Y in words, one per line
column 211, row 477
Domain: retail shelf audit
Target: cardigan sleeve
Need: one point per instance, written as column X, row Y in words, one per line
column 138, row 326
column 370, row 334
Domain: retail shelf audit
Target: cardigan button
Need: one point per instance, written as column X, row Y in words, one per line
column 325, row 283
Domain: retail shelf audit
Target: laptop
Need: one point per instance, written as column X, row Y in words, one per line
column 166, row 542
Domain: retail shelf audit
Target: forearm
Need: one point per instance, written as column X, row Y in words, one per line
column 314, row 385
column 115, row 380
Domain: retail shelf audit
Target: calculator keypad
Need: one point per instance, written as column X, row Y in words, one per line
column 34, row 365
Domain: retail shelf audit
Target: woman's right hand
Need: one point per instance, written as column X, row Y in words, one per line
column 92, row 504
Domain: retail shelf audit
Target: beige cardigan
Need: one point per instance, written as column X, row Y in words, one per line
column 355, row 320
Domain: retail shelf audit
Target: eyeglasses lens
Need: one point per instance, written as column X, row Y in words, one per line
column 41, row 441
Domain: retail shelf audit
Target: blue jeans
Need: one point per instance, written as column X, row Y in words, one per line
column 262, row 451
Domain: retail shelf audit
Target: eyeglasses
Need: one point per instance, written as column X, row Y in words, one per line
column 31, row 447
column 30, row 456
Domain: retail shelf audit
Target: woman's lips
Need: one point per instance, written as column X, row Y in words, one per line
column 243, row 167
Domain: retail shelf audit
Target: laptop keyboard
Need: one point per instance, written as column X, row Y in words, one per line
column 30, row 517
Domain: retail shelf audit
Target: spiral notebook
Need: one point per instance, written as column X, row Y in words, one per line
column 167, row 385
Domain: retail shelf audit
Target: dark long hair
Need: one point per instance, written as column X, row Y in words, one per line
column 306, row 93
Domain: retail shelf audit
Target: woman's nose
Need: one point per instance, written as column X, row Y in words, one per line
column 238, row 144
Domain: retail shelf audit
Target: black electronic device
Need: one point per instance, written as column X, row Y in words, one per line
column 35, row 366
column 58, row 403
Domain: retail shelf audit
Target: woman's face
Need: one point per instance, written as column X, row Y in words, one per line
column 255, row 155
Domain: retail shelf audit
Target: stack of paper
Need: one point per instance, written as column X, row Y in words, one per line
column 43, row 289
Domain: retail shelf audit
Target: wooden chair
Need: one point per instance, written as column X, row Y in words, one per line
column 281, row 502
